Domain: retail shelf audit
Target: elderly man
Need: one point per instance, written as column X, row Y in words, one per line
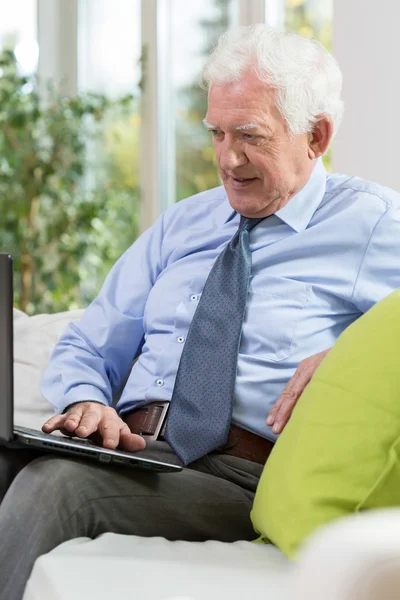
column 229, row 302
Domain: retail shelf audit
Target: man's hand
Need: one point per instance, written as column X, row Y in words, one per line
column 283, row 407
column 100, row 423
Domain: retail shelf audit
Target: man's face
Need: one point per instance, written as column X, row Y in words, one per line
column 261, row 165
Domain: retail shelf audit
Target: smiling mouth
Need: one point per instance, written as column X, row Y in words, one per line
column 242, row 182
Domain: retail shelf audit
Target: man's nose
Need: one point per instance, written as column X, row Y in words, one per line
column 231, row 156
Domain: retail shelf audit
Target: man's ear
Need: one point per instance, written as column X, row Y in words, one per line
column 320, row 137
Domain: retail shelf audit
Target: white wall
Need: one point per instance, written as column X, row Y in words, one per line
column 367, row 45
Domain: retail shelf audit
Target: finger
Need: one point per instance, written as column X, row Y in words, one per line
column 109, row 428
column 292, row 387
column 283, row 408
column 54, row 423
column 89, row 420
column 282, row 418
column 288, row 400
column 130, row 442
column 273, row 412
column 73, row 417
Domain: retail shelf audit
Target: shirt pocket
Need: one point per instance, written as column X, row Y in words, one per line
column 275, row 307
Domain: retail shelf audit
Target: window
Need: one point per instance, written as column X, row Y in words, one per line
column 109, row 46
column 310, row 18
column 109, row 51
column 68, row 160
column 195, row 28
column 18, row 30
column 77, row 189
column 19, row 58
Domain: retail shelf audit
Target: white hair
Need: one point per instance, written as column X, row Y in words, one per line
column 307, row 78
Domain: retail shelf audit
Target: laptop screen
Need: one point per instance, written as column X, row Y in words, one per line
column 6, row 348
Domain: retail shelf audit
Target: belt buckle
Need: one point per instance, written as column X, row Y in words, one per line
column 160, row 425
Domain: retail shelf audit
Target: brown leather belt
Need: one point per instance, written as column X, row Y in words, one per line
column 150, row 422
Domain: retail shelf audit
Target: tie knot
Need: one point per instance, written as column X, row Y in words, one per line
column 246, row 223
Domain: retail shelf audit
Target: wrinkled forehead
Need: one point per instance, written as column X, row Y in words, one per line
column 242, row 104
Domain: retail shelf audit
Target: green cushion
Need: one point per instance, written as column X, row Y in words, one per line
column 339, row 453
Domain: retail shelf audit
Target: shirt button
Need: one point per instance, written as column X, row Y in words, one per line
column 180, row 339
column 160, row 382
column 193, row 297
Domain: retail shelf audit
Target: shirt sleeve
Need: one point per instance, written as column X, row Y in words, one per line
column 93, row 358
column 379, row 273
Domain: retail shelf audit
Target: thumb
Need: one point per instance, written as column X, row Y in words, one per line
column 131, row 442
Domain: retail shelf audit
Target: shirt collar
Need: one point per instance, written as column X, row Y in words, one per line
column 300, row 209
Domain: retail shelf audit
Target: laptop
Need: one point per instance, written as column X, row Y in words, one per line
column 22, row 437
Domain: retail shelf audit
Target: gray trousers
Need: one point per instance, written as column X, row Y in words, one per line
column 47, row 500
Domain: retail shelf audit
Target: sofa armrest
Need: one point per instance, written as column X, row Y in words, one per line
column 34, row 339
column 355, row 558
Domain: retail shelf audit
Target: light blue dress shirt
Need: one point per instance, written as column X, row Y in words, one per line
column 318, row 264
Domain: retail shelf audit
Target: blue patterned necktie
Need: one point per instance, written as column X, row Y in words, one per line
column 200, row 412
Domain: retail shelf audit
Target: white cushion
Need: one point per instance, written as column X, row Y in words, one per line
column 354, row 558
column 118, row 566
column 34, row 339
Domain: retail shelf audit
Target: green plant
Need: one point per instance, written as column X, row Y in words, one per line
column 56, row 215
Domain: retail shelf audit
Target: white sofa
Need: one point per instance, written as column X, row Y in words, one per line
column 34, row 338
column 357, row 558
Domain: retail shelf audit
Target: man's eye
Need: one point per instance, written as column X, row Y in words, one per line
column 216, row 133
column 248, row 136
